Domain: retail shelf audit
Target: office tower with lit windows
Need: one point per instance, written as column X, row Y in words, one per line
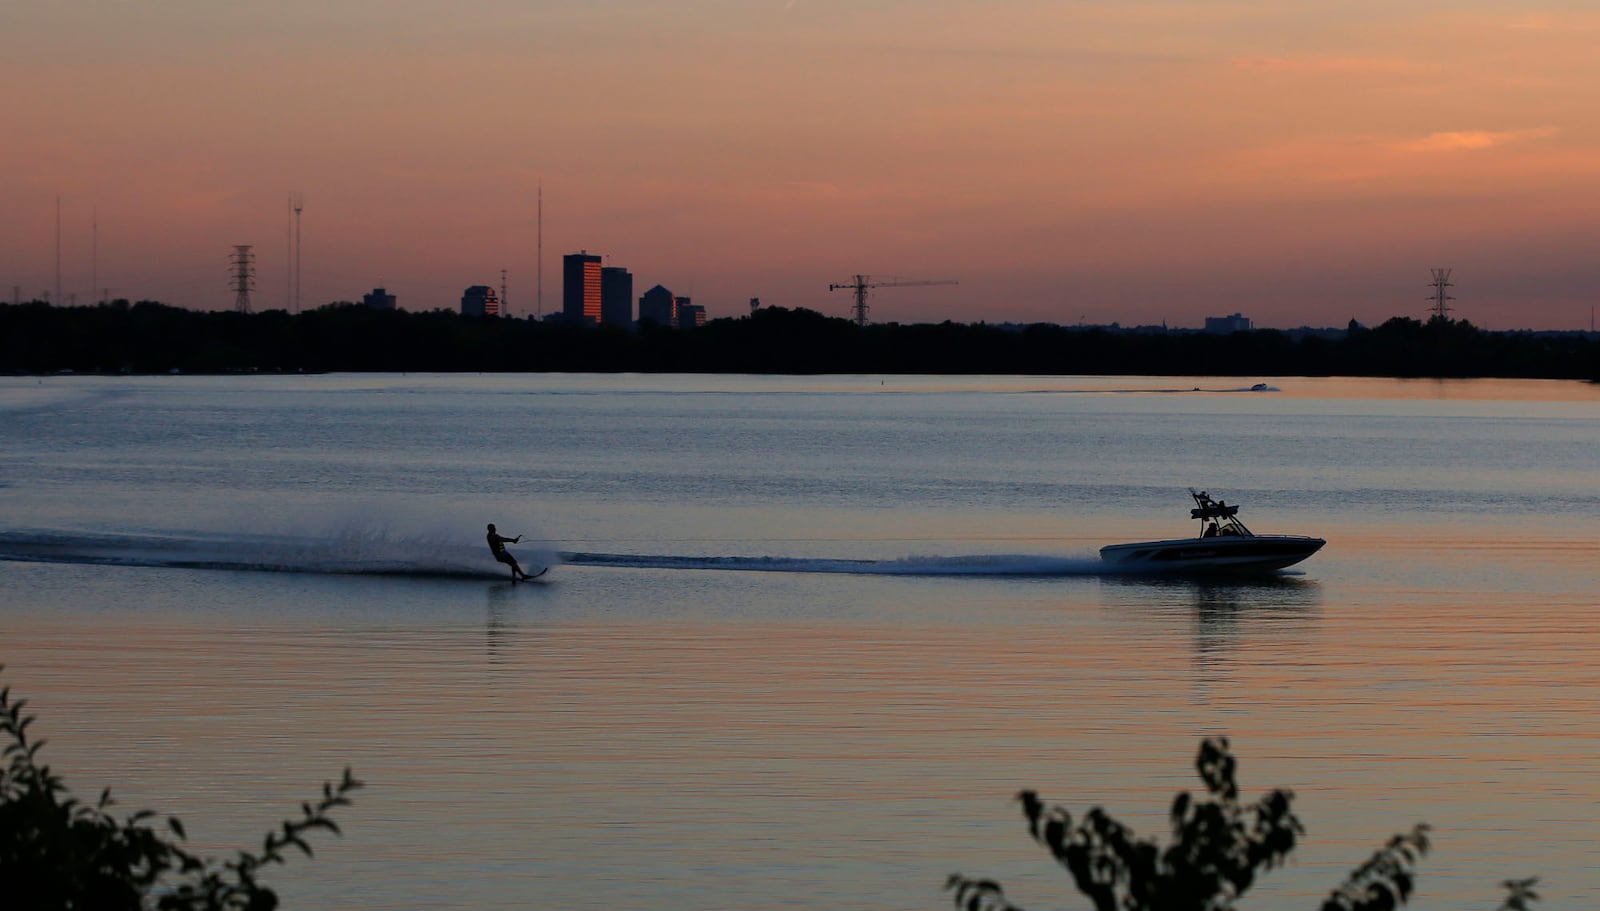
column 580, row 288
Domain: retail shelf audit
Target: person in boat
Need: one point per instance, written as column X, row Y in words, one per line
column 497, row 546
column 1211, row 530
column 1226, row 528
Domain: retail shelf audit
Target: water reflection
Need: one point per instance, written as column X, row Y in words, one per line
column 1225, row 616
column 1262, row 593
column 497, row 627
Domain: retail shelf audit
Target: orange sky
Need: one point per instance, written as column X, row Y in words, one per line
column 1096, row 160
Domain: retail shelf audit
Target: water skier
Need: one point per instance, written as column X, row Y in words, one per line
column 497, row 546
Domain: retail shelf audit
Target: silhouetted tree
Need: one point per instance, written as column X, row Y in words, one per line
column 149, row 337
column 1219, row 847
column 57, row 853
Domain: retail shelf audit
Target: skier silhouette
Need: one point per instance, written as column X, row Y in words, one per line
column 497, row 546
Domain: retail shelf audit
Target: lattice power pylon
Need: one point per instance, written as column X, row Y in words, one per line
column 243, row 270
column 1441, row 298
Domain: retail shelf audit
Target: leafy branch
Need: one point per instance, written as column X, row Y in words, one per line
column 56, row 852
column 1218, row 849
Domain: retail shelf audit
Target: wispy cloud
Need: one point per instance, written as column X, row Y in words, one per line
column 1474, row 140
column 1534, row 22
column 1336, row 65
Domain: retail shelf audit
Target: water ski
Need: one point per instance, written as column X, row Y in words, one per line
column 531, row 576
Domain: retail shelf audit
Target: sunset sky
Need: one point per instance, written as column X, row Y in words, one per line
column 1100, row 160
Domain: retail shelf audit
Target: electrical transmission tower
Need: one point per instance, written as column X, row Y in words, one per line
column 860, row 283
column 1441, row 298
column 243, row 269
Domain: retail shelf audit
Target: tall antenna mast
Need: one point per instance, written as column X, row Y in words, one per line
column 298, row 202
column 504, row 309
column 539, row 267
column 244, row 276
column 1441, row 299
column 94, row 251
column 58, row 249
column 288, row 255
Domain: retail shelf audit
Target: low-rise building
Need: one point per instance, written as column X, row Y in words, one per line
column 690, row 315
column 480, row 300
column 379, row 299
column 1226, row 325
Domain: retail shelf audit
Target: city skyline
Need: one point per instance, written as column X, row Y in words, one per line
column 1098, row 162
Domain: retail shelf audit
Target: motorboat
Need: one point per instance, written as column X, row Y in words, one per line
column 1225, row 545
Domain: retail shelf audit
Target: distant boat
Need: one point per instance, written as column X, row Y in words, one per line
column 1225, row 545
column 1259, row 387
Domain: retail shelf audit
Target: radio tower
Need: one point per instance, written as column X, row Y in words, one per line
column 504, row 310
column 1441, row 298
column 58, row 300
column 538, row 266
column 288, row 256
column 244, row 276
column 299, row 202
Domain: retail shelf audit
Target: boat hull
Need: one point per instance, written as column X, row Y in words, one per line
column 1252, row 554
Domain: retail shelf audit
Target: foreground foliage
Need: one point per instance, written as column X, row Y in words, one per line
column 56, row 852
column 1219, row 848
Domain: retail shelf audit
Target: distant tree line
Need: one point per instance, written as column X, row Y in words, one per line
column 149, row 337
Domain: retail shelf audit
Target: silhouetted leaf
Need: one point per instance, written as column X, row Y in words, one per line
column 1030, row 808
column 1180, row 808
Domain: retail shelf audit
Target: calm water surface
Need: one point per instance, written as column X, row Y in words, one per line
column 805, row 637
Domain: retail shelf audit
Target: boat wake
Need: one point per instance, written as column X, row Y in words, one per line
column 367, row 552
column 977, row 565
column 381, row 553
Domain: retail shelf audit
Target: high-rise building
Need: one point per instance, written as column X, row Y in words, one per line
column 379, row 299
column 658, row 306
column 480, row 300
column 616, row 297
column 580, row 287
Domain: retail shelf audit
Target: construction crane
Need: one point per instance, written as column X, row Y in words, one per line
column 860, row 283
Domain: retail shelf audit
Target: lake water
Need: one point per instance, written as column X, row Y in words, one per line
column 805, row 637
